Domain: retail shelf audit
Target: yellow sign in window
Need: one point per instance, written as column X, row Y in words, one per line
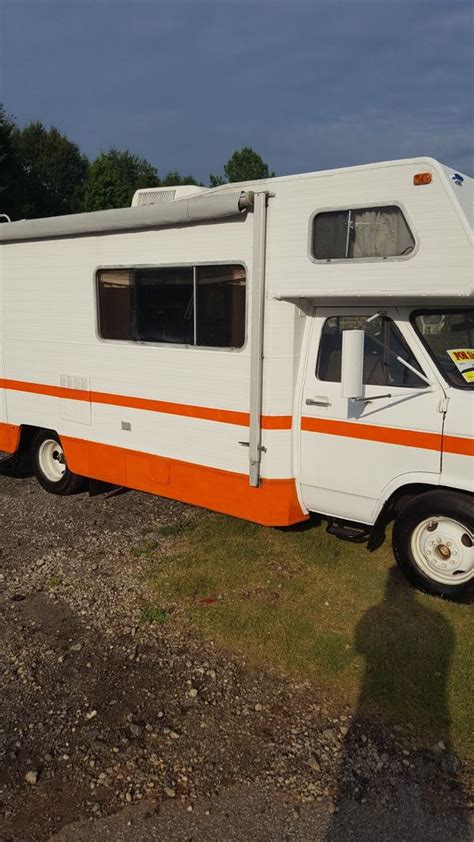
column 463, row 359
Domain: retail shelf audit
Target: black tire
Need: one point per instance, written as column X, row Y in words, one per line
column 436, row 505
column 66, row 483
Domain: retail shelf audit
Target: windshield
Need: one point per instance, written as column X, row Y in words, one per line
column 449, row 337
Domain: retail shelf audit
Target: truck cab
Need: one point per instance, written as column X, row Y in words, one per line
column 388, row 393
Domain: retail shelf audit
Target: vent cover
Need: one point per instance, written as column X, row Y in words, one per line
column 76, row 408
column 161, row 195
column 155, row 197
column 74, row 381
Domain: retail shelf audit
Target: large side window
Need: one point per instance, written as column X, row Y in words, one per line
column 383, row 344
column 189, row 305
column 364, row 232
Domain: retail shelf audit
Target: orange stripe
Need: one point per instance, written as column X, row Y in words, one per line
column 224, row 416
column 276, row 422
column 371, row 432
column 273, row 503
column 42, row 389
column 9, row 437
column 456, row 444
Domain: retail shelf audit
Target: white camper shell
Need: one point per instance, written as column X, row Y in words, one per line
column 267, row 350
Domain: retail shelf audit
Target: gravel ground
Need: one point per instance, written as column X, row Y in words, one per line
column 113, row 728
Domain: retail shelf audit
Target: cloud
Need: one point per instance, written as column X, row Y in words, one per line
column 309, row 83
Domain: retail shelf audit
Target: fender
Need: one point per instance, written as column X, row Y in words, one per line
column 403, row 480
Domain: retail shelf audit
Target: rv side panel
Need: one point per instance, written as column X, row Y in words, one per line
column 160, row 417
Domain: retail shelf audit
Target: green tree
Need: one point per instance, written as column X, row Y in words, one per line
column 54, row 170
column 11, row 173
column 216, row 180
column 113, row 178
column 174, row 179
column 244, row 165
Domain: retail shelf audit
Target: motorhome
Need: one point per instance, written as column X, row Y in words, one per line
column 267, row 350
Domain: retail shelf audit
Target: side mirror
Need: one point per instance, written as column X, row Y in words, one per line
column 352, row 364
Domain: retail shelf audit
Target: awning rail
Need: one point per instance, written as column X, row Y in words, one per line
column 201, row 208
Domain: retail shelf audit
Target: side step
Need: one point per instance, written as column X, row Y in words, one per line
column 356, row 534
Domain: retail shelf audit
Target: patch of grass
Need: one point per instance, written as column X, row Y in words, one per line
column 152, row 614
column 145, row 550
column 331, row 612
column 171, row 530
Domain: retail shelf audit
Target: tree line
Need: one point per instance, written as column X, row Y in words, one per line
column 43, row 173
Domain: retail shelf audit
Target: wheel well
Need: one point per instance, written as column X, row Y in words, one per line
column 21, row 463
column 404, row 495
column 27, row 434
column 401, row 498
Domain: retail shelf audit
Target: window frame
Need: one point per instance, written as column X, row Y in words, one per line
column 181, row 265
column 362, row 206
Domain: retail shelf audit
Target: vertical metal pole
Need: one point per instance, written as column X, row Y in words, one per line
column 256, row 336
column 349, row 220
column 195, row 304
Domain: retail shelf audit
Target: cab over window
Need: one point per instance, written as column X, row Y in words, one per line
column 189, row 305
column 383, row 343
column 365, row 232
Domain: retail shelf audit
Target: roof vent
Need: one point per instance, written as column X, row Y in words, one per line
column 159, row 195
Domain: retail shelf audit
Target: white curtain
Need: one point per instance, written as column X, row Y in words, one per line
column 380, row 232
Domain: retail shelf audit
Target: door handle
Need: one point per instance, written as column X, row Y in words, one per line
column 319, row 400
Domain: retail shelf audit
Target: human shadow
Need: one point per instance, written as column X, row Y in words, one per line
column 385, row 779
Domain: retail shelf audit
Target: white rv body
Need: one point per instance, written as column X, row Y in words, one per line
column 183, row 420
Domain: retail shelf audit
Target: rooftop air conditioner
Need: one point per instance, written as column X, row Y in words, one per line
column 159, row 195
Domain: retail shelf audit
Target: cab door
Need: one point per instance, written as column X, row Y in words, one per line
column 353, row 454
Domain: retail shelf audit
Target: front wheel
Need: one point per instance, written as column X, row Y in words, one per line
column 433, row 543
column 50, row 466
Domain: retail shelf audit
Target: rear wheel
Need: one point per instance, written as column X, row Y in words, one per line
column 50, row 466
column 433, row 543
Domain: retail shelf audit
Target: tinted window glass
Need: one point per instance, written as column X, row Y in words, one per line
column 364, row 232
column 330, row 235
column 220, row 306
column 165, row 310
column 383, row 341
column 116, row 304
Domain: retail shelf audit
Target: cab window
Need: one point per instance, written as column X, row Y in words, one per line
column 383, row 343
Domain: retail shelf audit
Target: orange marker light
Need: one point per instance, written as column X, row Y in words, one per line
column 422, row 178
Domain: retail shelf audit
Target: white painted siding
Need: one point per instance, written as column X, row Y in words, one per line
column 51, row 331
column 3, row 405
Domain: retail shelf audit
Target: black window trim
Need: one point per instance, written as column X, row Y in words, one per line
column 358, row 260
column 430, row 311
column 182, row 264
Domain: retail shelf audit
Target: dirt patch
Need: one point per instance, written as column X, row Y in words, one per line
column 101, row 710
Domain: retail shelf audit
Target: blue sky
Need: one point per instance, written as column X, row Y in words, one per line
column 309, row 85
